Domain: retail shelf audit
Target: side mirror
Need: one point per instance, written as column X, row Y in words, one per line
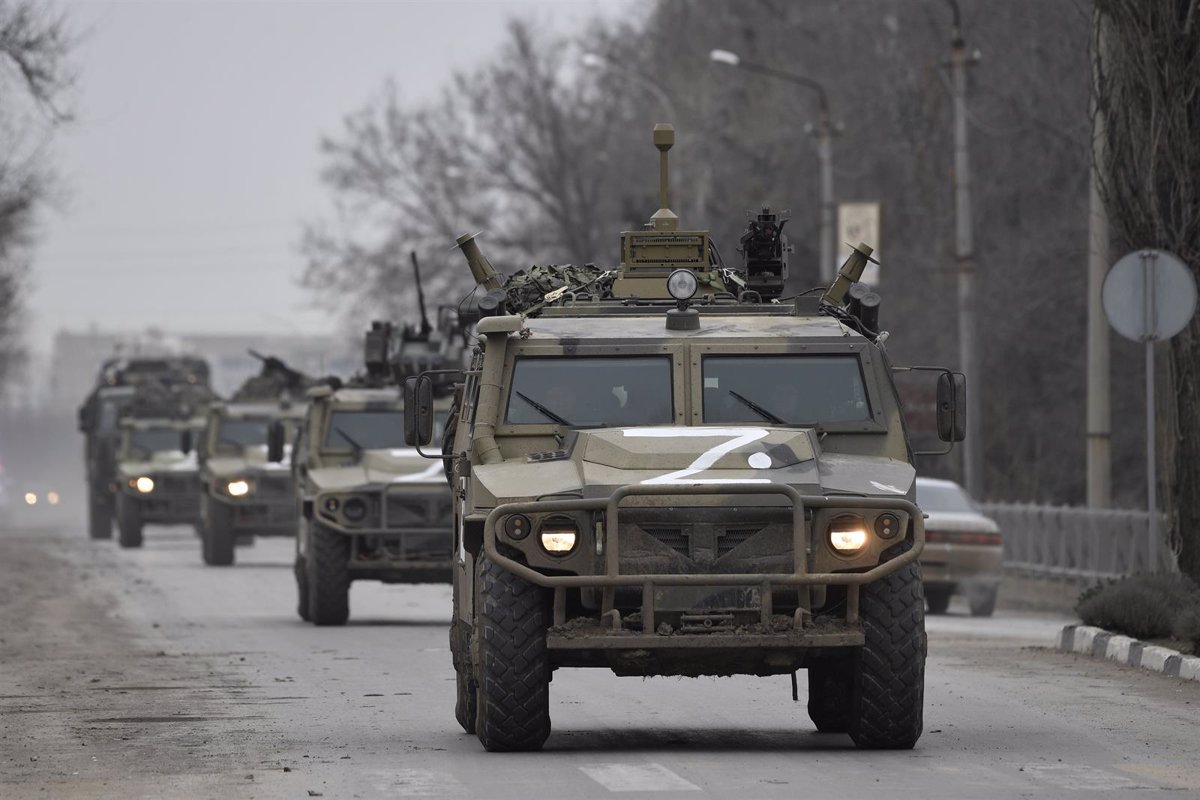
column 418, row 410
column 952, row 407
column 275, row 442
column 185, row 441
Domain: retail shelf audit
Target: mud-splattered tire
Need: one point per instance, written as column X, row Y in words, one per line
column 302, row 604
column 465, row 689
column 831, row 696
column 328, row 577
column 514, row 674
column 982, row 600
column 938, row 598
column 217, row 539
column 100, row 517
column 129, row 522
column 889, row 693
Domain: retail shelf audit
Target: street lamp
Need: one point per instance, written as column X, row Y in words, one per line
column 823, row 132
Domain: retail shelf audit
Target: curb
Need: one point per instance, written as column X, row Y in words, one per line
column 1099, row 643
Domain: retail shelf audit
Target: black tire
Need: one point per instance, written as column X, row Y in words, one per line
column 513, row 711
column 982, row 600
column 466, row 700
column 328, row 570
column 100, row 516
column 889, row 673
column 938, row 598
column 129, row 522
column 831, row 696
column 302, row 605
column 217, row 540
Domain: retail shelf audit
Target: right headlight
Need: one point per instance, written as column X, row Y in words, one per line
column 847, row 534
column 559, row 536
column 144, row 484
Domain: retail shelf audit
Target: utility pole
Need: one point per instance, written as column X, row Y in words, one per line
column 823, row 133
column 1099, row 399
column 964, row 257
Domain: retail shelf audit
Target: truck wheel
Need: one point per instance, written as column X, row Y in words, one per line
column 889, row 672
column 465, row 698
column 938, row 598
column 217, row 539
column 301, row 570
column 129, row 522
column 982, row 600
column 100, row 516
column 831, row 696
column 328, row 577
column 514, row 677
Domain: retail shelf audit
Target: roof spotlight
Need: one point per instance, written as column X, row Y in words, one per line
column 682, row 284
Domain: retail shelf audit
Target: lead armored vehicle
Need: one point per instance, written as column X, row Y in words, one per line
column 244, row 495
column 118, row 382
column 668, row 469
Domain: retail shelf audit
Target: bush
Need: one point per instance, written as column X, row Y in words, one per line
column 1144, row 607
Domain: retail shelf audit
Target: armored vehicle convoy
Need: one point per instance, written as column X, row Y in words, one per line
column 370, row 507
column 244, row 495
column 669, row 469
column 117, row 383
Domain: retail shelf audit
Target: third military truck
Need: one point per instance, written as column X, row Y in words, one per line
column 666, row 468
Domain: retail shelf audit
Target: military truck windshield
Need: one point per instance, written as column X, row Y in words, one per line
column 154, row 440
column 242, row 432
column 373, row 430
column 592, row 392
column 784, row 390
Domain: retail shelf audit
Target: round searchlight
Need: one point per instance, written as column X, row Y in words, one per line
column 682, row 284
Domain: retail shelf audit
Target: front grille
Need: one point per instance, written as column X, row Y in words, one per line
column 673, row 538
column 419, row 511
column 730, row 538
column 274, row 486
column 177, row 484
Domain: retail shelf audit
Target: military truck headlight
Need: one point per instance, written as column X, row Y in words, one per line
column 144, row 484
column 238, row 488
column 682, row 284
column 559, row 536
column 355, row 509
column 847, row 534
column 30, row 499
column 52, row 498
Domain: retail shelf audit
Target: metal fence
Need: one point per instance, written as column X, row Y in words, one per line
column 1079, row 543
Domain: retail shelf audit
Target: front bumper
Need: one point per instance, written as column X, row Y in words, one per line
column 406, row 538
column 260, row 517
column 797, row 632
column 168, row 506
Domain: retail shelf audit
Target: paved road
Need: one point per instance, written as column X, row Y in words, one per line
column 145, row 674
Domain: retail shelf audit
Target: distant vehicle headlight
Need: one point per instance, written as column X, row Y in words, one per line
column 52, row 498
column 847, row 534
column 559, row 536
column 144, row 484
column 355, row 509
column 238, row 488
column 30, row 499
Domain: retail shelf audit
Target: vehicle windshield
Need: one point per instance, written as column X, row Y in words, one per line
column 592, row 392
column 784, row 390
column 239, row 433
column 373, row 430
column 146, row 442
column 945, row 497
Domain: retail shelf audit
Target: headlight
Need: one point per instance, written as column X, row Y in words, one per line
column 847, row 534
column 355, row 509
column 559, row 536
column 30, row 499
column 682, row 284
column 144, row 484
column 238, row 488
column 52, row 498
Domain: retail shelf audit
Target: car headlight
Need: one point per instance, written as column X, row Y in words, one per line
column 847, row 534
column 559, row 536
column 144, row 484
column 355, row 509
column 30, row 499
column 238, row 488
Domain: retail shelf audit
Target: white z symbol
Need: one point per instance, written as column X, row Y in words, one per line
column 737, row 437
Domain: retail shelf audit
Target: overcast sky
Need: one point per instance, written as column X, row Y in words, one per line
column 194, row 153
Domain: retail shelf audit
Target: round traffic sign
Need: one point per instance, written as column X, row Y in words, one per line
column 1149, row 295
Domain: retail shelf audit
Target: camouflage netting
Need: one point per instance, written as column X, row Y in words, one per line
column 526, row 290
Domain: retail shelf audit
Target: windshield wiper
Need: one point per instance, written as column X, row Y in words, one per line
column 757, row 409
column 358, row 448
column 541, row 409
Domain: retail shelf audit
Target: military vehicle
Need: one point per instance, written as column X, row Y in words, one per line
column 667, row 468
column 157, row 476
column 370, row 507
column 118, row 381
column 244, row 495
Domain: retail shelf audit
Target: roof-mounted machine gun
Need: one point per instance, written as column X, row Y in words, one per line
column 275, row 381
column 764, row 249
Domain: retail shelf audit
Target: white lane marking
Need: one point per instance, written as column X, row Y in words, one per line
column 886, row 487
column 738, row 437
column 416, row 783
column 431, row 471
column 638, row 778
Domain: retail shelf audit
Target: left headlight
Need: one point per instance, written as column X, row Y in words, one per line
column 847, row 534
column 238, row 488
column 559, row 535
column 144, row 484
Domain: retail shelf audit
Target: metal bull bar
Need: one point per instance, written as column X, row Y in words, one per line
column 800, row 576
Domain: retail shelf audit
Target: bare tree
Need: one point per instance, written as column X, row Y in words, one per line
column 1149, row 92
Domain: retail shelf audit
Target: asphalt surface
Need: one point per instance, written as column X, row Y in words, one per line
column 145, row 674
